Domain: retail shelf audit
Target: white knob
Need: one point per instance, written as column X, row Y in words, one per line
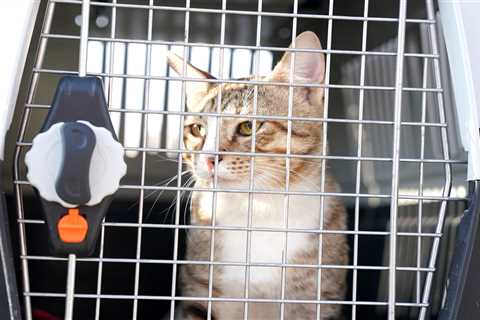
column 45, row 162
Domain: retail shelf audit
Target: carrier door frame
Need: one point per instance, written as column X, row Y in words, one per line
column 459, row 20
column 22, row 17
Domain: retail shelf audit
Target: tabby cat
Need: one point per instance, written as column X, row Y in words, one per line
column 268, row 244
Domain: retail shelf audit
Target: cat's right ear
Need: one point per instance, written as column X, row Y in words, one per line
column 195, row 90
column 308, row 67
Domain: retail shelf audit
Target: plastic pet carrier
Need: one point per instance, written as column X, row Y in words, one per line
column 95, row 218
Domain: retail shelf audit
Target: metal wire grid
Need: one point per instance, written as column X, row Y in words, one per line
column 422, row 296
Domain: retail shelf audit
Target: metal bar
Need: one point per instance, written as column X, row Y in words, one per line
column 100, row 270
column 396, row 160
column 180, row 163
column 223, row 263
column 260, row 117
column 446, row 156
column 286, row 202
column 252, row 13
column 420, row 184
column 146, row 106
column 219, row 299
column 306, row 193
column 215, row 174
column 109, row 101
column 82, row 72
column 359, row 154
column 224, row 227
column 82, row 61
column 111, row 53
column 252, row 82
column 233, row 46
column 274, row 155
column 251, row 183
column 324, row 153
column 16, row 164
column 69, row 297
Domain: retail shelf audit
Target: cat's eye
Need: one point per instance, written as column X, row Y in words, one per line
column 245, row 128
column 197, row 130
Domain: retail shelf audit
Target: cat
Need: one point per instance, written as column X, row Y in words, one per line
column 267, row 210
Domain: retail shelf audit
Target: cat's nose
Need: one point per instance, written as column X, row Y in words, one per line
column 210, row 160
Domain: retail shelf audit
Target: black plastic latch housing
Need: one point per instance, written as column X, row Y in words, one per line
column 77, row 98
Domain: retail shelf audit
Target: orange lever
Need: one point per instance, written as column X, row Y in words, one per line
column 72, row 227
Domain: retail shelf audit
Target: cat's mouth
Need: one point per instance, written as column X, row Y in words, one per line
column 211, row 175
column 218, row 173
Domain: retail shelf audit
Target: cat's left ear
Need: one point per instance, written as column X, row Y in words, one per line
column 195, row 90
column 309, row 67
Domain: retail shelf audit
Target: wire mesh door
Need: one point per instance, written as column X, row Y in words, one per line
column 383, row 117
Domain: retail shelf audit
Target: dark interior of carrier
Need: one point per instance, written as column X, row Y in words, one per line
column 157, row 243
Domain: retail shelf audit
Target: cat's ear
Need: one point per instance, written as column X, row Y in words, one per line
column 195, row 90
column 309, row 67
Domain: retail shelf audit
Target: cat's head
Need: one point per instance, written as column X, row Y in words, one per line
column 235, row 133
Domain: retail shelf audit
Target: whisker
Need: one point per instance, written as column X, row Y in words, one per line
column 282, row 170
column 176, row 199
column 187, row 205
column 169, row 180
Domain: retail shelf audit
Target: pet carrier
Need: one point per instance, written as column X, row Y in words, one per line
column 401, row 145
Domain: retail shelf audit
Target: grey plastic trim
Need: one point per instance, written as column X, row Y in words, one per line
column 463, row 292
column 9, row 303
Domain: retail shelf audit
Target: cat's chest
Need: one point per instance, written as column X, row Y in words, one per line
column 262, row 247
column 265, row 244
